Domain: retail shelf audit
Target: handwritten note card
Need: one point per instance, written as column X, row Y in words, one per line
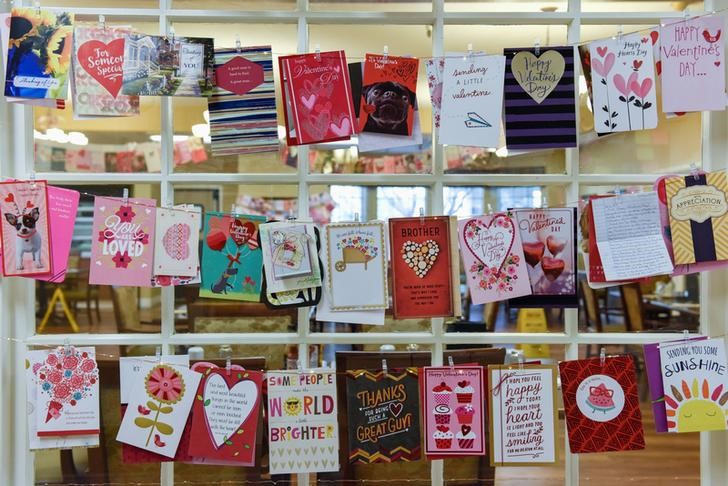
column 628, row 236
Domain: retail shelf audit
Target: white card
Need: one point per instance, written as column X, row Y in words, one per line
column 176, row 242
column 133, row 368
column 373, row 142
column 296, row 282
column 434, row 68
column 623, row 84
column 472, row 100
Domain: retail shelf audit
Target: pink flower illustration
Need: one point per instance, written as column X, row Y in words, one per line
column 165, row 384
column 623, row 86
column 55, row 377
column 104, row 237
column 515, row 259
column 143, row 238
column 122, row 260
column 640, row 89
column 502, row 286
column 603, row 69
column 70, row 362
column 511, row 270
column 126, row 214
column 61, row 391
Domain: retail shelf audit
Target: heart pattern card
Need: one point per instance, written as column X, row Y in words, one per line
column 383, row 410
column 453, row 411
column 232, row 261
column 225, row 415
column 356, row 253
column 98, row 60
column 434, row 68
column 388, row 95
column 601, row 405
column 290, row 253
column 25, row 229
column 539, row 98
column 176, row 242
column 694, row 378
column 548, row 238
column 317, row 97
column 693, row 64
column 158, row 409
column 303, row 425
column 424, row 267
column 493, row 258
column 472, row 100
column 523, row 415
column 697, row 207
column 123, row 235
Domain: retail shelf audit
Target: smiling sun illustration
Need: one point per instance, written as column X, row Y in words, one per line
column 696, row 408
column 293, row 406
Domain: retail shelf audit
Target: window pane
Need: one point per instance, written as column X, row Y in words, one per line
column 510, row 6
column 400, row 202
column 348, row 160
column 236, row 4
column 372, row 5
column 638, row 6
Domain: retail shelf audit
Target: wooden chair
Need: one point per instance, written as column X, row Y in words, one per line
column 77, row 289
column 634, row 311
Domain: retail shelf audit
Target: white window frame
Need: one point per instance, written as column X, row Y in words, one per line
column 17, row 295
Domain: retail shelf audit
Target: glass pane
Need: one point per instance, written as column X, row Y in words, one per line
column 508, row 6
column 100, row 3
column 96, row 308
column 369, row 5
column 235, row 4
column 639, row 6
column 348, row 160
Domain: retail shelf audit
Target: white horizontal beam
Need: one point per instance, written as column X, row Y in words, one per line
column 99, row 178
column 617, row 179
column 626, row 18
column 229, row 178
column 508, row 18
column 233, row 16
column 112, row 14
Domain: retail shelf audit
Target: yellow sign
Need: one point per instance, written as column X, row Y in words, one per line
column 533, row 320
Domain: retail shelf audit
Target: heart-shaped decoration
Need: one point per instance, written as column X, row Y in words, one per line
column 228, row 408
column 28, row 204
column 175, row 241
column 463, row 384
column 420, row 257
column 308, row 101
column 443, row 428
column 636, row 64
column 342, row 129
column 533, row 252
column 10, row 198
column 368, row 109
column 654, row 35
column 552, row 267
column 396, row 408
column 717, row 63
column 104, row 62
column 316, row 126
column 602, row 51
column 491, row 242
column 241, row 232
column 548, row 68
column 465, row 429
column 555, row 244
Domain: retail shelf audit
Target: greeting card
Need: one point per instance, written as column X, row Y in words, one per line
column 176, row 242
column 388, row 94
column 158, row 409
column 25, row 230
column 356, row 253
column 657, row 56
column 472, row 100
column 592, row 259
column 123, row 235
column 225, row 415
column 231, row 257
column 548, row 238
column 523, row 415
column 539, row 98
column 423, row 267
column 383, row 410
column 434, row 68
column 62, row 208
column 693, row 68
column 39, row 53
column 493, row 257
column 601, row 404
column 290, row 258
column 317, row 97
column 98, row 60
column 697, row 207
column 168, row 66
column 452, row 408
column 243, row 104
column 694, row 376
column 303, row 427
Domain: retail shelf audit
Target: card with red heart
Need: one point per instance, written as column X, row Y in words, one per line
column 96, row 77
column 493, row 257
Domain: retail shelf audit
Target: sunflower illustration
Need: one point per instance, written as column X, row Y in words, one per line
column 696, row 407
column 25, row 22
column 59, row 50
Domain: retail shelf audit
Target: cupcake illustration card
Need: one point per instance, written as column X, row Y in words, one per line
column 452, row 409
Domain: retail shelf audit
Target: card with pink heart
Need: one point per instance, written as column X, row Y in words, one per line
column 493, row 257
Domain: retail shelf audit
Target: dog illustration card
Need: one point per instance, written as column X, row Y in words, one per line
column 176, row 242
column 290, row 255
column 25, row 229
column 388, row 94
column 96, row 77
column 123, row 237
column 493, row 258
column 472, row 100
column 693, row 64
column 539, row 98
column 317, row 97
column 232, row 261
column 356, row 253
column 601, row 405
column 225, row 415
column 383, row 412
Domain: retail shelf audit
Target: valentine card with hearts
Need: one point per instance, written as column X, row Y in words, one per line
column 601, row 404
column 548, row 238
column 539, row 98
column 693, row 64
column 122, row 245
column 434, row 68
column 176, row 242
column 453, row 411
column 383, row 413
column 493, row 257
column 96, row 77
column 225, row 415
column 317, row 97
column 424, row 267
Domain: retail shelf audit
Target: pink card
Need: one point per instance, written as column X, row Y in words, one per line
column 123, row 236
column 25, row 229
column 62, row 207
column 453, row 406
column 693, row 69
column 493, row 258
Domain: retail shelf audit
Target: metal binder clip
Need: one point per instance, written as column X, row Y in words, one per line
column 537, row 47
column 385, row 370
column 422, row 216
column 158, row 354
column 102, row 22
column 317, row 51
column 450, row 362
column 237, row 43
column 694, row 171
column 386, row 52
column 602, row 356
column 228, row 365
column 125, row 196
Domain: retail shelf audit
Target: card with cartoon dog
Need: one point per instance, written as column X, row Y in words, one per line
column 388, row 94
column 25, row 229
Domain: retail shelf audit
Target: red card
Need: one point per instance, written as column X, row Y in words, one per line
column 317, row 97
column 601, row 405
column 136, row 455
column 422, row 266
column 239, row 75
